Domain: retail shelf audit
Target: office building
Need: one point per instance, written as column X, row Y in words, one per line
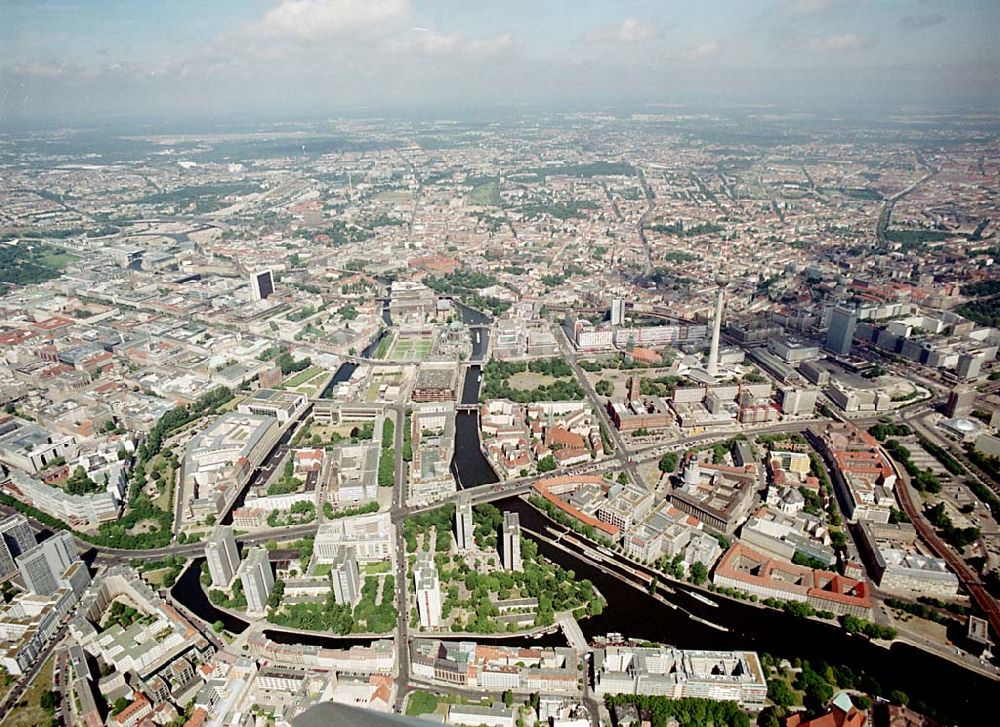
column 427, row 588
column 43, row 566
column 261, row 285
column 840, row 333
column 961, row 400
column 718, row 495
column 284, row 406
column 792, row 349
column 258, row 580
column 219, row 461
column 369, row 535
column 511, row 542
column 797, row 401
column 719, row 675
column 898, row 567
column 970, row 363
column 345, row 576
column 76, row 510
column 751, row 571
column 463, row 524
column 16, row 537
column 222, row 555
column 495, row 667
column 862, row 475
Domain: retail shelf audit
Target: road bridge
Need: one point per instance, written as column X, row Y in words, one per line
column 573, row 632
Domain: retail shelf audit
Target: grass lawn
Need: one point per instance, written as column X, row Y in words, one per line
column 165, row 500
column 59, row 259
column 144, row 526
column 383, row 347
column 302, row 377
column 232, row 404
column 420, row 702
column 423, row 702
column 326, row 431
column 528, row 380
column 373, row 569
column 410, row 348
column 28, row 712
column 486, row 194
column 155, row 577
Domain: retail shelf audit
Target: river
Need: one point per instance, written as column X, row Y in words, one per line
column 634, row 613
column 964, row 694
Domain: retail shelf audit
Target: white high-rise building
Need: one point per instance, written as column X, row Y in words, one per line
column 261, row 285
column 222, row 555
column 464, row 527
column 346, row 577
column 43, row 566
column 427, row 590
column 258, row 580
column 617, row 312
column 511, row 542
column 16, row 537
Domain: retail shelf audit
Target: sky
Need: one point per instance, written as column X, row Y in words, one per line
column 62, row 60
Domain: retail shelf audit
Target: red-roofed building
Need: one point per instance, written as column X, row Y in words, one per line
column 842, row 713
column 754, row 572
column 198, row 718
column 308, row 460
column 552, row 487
column 565, row 457
column 54, row 323
column 563, row 437
column 133, row 714
column 16, row 337
column 861, row 471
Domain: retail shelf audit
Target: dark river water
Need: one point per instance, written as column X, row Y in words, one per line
column 471, row 316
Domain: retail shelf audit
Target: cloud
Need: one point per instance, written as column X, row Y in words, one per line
column 708, row 49
column 806, row 7
column 630, row 31
column 488, row 46
column 432, row 43
column 436, row 44
column 318, row 19
column 36, row 69
column 841, row 43
column 918, row 22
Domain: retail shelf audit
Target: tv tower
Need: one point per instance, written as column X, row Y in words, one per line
column 713, row 352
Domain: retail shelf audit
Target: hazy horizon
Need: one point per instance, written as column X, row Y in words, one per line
column 70, row 61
